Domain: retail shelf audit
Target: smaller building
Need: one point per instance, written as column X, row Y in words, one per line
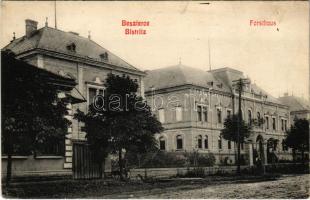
column 23, row 163
column 299, row 107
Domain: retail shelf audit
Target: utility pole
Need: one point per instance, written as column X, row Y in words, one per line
column 239, row 83
column 55, row 12
column 209, row 54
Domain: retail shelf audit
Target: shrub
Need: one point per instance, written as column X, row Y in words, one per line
column 162, row 159
column 169, row 159
column 197, row 172
column 200, row 159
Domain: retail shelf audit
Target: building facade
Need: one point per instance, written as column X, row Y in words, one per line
column 192, row 104
column 299, row 107
column 70, row 55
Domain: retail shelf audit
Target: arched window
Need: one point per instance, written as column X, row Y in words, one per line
column 199, row 141
column 267, row 122
column 199, row 112
column 162, row 143
column 258, row 119
column 284, row 147
column 249, row 117
column 219, row 115
column 206, row 142
column 220, row 142
column 179, row 142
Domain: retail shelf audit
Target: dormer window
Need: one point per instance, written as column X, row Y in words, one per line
column 210, row 83
column 104, row 56
column 71, row 47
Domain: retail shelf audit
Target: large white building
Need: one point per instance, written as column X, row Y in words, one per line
column 192, row 104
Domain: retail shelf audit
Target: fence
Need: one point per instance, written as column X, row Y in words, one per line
column 84, row 165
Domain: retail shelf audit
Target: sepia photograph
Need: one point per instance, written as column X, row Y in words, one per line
column 155, row 99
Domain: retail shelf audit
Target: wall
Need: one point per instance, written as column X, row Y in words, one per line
column 188, row 97
column 168, row 172
column 28, row 166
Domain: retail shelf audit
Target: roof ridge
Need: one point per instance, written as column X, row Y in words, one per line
column 43, row 30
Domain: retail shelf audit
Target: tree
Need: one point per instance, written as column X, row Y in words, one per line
column 298, row 136
column 230, row 132
column 32, row 114
column 120, row 120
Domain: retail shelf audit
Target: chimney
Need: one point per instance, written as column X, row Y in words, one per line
column 31, row 26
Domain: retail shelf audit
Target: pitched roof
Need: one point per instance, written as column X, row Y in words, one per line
column 53, row 39
column 228, row 75
column 178, row 75
column 295, row 103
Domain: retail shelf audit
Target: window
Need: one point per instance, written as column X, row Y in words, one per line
column 285, row 125
column 228, row 113
column 179, row 142
column 229, row 144
column 93, row 91
column 205, row 114
column 71, row 47
column 282, row 124
column 242, row 145
column 284, row 147
column 199, row 141
column 104, row 56
column 274, row 123
column 162, row 143
column 258, row 119
column 219, row 115
column 220, row 142
column 199, row 110
column 91, row 95
column 267, row 122
column 206, row 142
column 178, row 113
column 161, row 115
column 249, row 117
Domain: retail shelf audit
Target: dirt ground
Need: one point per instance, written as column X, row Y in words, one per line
column 286, row 187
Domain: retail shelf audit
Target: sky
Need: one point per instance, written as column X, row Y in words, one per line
column 274, row 57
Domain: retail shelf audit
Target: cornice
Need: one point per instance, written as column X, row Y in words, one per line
column 78, row 58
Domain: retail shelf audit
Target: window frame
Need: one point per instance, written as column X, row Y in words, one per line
column 199, row 141
column 250, row 117
column 219, row 142
column 93, row 86
column 205, row 111
column 219, row 115
column 267, row 121
column 206, row 141
column 274, row 123
column 199, row 113
column 179, row 138
column 229, row 144
column 162, row 139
